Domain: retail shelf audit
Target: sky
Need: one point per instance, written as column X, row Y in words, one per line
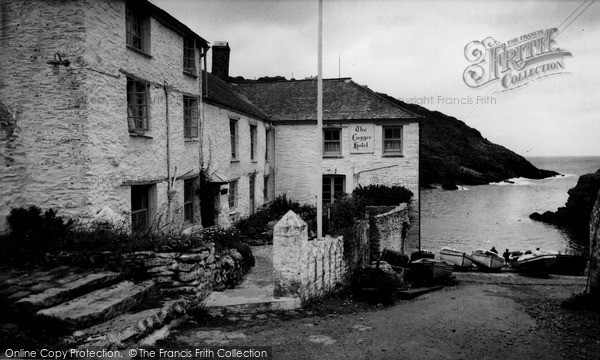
column 415, row 51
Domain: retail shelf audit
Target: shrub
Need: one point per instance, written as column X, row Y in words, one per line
column 37, row 238
column 383, row 195
column 32, row 234
column 256, row 226
column 230, row 238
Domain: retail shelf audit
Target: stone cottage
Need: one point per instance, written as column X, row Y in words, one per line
column 237, row 148
column 104, row 101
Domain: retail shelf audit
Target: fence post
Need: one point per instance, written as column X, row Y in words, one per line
column 290, row 240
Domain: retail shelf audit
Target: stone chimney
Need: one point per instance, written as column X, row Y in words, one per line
column 220, row 59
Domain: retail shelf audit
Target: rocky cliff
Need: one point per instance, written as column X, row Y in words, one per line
column 454, row 153
column 574, row 217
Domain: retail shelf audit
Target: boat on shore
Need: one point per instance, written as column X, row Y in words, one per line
column 568, row 265
column 534, row 263
column 460, row 260
column 487, row 260
column 430, row 271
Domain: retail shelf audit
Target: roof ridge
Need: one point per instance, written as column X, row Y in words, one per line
column 366, row 88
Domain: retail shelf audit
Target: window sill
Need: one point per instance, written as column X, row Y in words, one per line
column 141, row 52
column 234, row 160
column 140, row 135
column 190, row 73
column 254, row 161
column 333, row 157
column 392, row 155
column 233, row 213
column 191, row 140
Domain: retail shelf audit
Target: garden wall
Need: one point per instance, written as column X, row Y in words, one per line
column 197, row 272
column 389, row 226
column 302, row 268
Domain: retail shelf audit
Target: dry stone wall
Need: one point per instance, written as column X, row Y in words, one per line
column 197, row 272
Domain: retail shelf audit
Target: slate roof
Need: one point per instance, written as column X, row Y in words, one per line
column 222, row 94
column 343, row 99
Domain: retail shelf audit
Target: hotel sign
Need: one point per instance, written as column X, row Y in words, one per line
column 361, row 139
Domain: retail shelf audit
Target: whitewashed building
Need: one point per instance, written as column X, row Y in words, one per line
column 237, row 148
column 102, row 101
column 366, row 140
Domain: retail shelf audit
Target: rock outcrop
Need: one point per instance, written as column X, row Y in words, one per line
column 574, row 217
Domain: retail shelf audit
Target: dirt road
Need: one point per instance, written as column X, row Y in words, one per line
column 481, row 317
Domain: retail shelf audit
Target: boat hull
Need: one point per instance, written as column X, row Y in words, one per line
column 535, row 265
column 460, row 260
column 428, row 271
column 487, row 261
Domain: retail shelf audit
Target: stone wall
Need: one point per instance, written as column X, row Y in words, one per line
column 197, row 272
column 594, row 264
column 302, row 268
column 389, row 228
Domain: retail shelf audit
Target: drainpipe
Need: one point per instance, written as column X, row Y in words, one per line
column 169, row 184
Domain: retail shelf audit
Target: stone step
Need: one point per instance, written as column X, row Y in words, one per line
column 67, row 290
column 249, row 301
column 125, row 329
column 100, row 305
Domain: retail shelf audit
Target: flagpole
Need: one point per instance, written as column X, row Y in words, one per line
column 320, row 127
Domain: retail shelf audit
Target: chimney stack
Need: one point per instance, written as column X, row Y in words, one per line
column 220, row 59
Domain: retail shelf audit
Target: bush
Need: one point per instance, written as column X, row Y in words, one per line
column 33, row 234
column 37, row 238
column 256, row 226
column 381, row 195
column 230, row 238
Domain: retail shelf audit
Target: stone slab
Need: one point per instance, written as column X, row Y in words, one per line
column 100, row 305
column 126, row 327
column 67, row 291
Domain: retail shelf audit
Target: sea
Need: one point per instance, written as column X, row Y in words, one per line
column 497, row 215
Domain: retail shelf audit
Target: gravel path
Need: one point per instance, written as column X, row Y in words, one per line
column 483, row 317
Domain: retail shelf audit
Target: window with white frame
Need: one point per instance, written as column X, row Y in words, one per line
column 137, row 105
column 232, row 194
column 190, row 117
column 332, row 142
column 392, row 140
column 252, row 142
column 233, row 137
column 137, row 28
column 189, row 55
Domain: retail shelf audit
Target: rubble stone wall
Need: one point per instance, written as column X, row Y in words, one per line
column 392, row 227
column 197, row 272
